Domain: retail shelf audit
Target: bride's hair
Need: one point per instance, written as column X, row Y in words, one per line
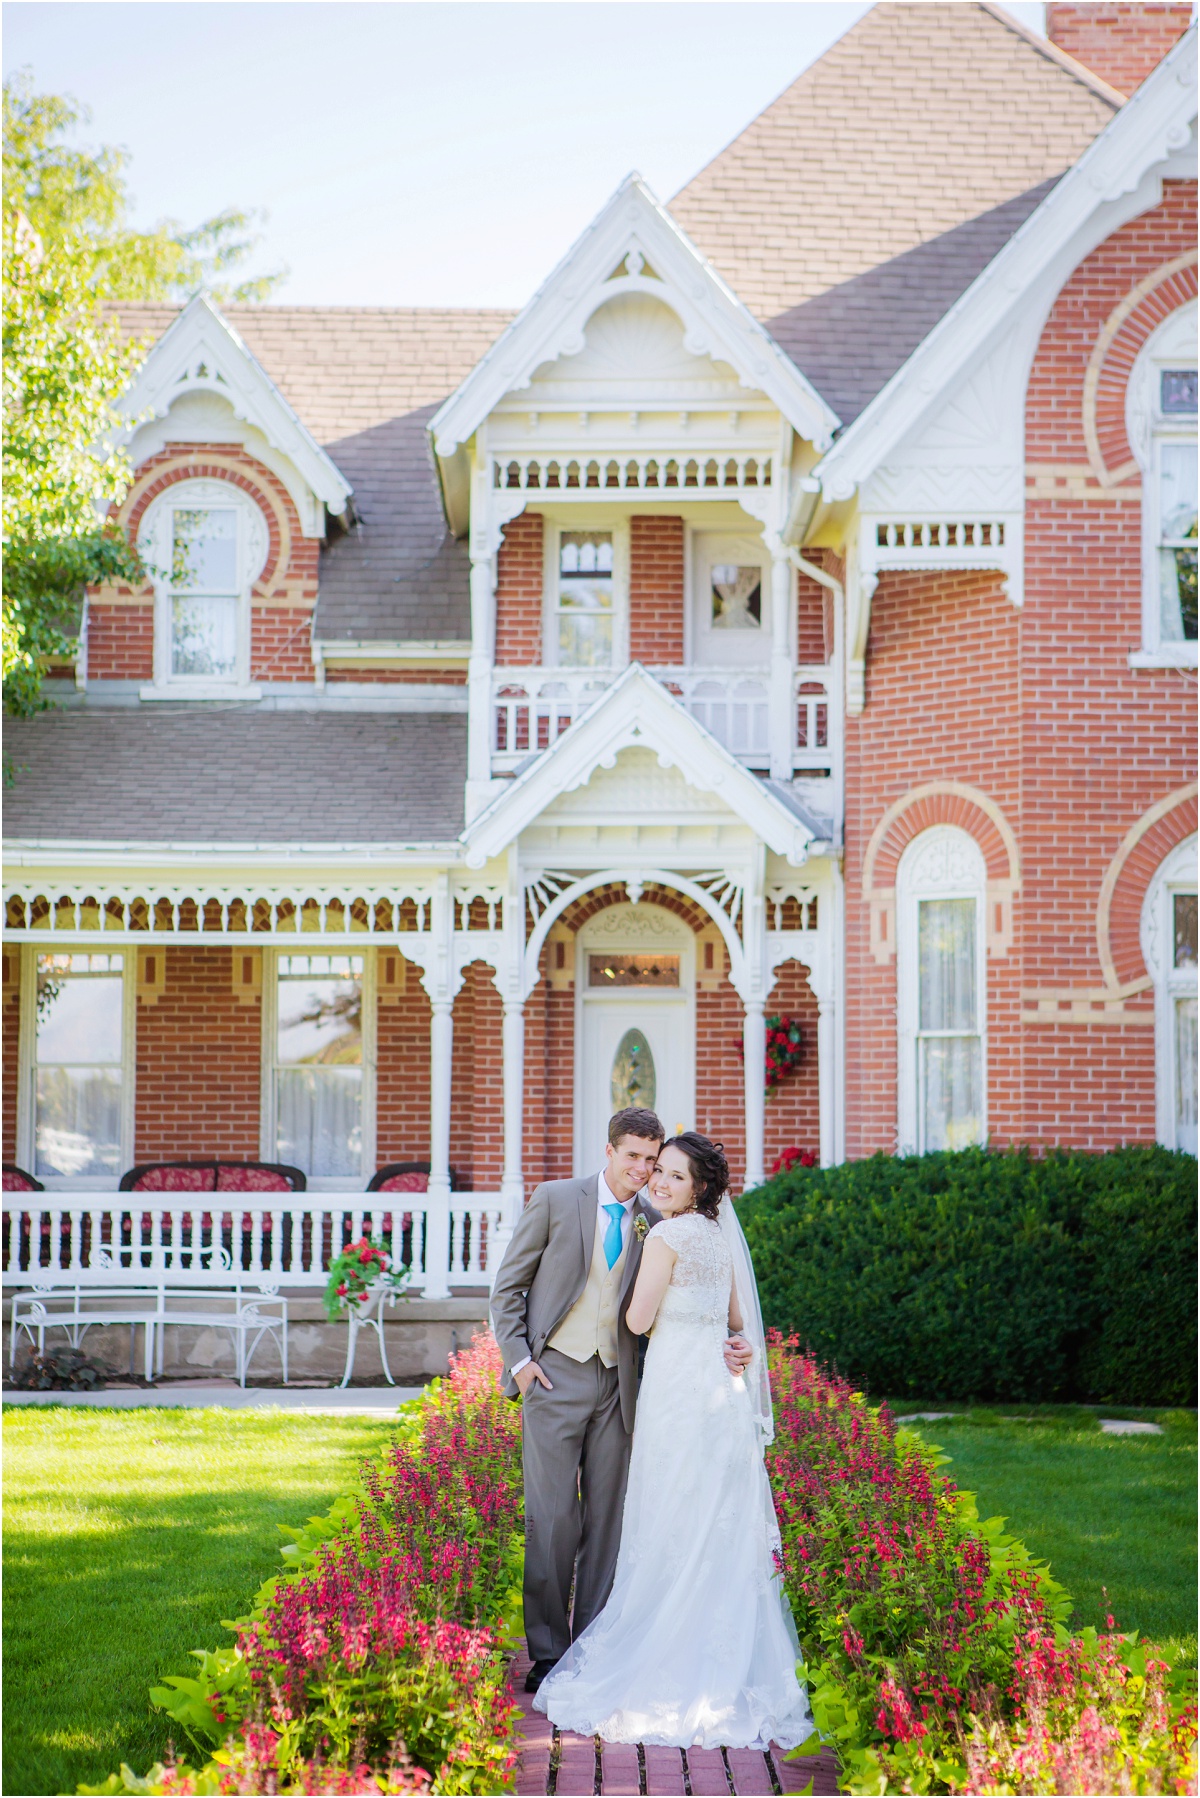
column 709, row 1169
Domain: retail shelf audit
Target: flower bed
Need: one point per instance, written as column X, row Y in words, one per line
column 377, row 1662
column 935, row 1646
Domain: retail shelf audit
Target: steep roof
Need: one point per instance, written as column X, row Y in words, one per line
column 366, row 381
column 852, row 211
column 167, row 774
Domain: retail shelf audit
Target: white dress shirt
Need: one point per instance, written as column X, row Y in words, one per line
column 605, row 1196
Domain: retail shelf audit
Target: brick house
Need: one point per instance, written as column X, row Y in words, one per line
column 791, row 611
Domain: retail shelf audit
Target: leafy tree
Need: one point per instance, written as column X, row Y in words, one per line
column 69, row 255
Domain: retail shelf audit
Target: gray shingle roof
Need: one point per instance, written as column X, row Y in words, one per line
column 851, row 340
column 200, row 774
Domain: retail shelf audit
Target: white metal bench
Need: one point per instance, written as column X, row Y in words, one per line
column 80, row 1307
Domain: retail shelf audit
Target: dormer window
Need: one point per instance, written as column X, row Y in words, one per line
column 204, row 592
column 204, row 543
column 1160, row 418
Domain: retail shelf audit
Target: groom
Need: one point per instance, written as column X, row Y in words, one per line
column 558, row 1311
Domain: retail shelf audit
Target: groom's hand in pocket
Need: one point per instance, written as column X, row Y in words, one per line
column 527, row 1375
column 738, row 1354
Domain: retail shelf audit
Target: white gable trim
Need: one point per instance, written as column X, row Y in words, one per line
column 1149, row 129
column 635, row 712
column 715, row 322
column 201, row 352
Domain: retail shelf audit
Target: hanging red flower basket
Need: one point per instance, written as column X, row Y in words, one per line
column 785, row 1050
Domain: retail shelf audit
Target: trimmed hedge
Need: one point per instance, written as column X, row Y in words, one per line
column 989, row 1275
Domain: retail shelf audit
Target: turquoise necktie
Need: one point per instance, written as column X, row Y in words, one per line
column 612, row 1236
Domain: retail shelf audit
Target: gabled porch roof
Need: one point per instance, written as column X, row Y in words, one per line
column 637, row 711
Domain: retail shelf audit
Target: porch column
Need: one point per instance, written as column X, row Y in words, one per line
column 512, row 1187
column 754, row 1048
column 826, row 1077
column 479, row 675
column 437, row 1217
column 781, row 720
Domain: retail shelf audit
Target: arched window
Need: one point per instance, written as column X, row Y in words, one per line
column 1160, row 421
column 205, row 543
column 1169, row 951
column 941, row 990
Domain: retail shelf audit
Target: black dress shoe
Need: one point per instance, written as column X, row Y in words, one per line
column 537, row 1674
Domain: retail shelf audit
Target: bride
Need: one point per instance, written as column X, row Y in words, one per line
column 696, row 1646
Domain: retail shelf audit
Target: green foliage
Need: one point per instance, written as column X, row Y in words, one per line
column 988, row 1275
column 69, row 252
column 61, row 1370
column 355, row 1272
column 69, row 193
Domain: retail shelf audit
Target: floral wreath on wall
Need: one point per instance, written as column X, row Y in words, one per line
column 785, row 1050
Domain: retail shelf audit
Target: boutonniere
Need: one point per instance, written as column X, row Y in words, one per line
column 641, row 1228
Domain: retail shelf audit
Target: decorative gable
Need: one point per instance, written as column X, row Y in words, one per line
column 200, row 377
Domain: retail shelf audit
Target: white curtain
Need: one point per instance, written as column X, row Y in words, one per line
column 78, row 1121
column 950, row 1050
column 1185, row 1075
column 320, row 1119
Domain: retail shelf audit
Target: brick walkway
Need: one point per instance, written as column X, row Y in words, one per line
column 567, row 1766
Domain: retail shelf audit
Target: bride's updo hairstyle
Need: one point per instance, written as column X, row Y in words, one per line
column 708, row 1166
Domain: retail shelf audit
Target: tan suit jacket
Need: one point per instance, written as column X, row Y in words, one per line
column 545, row 1270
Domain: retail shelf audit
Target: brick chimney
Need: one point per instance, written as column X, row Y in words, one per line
column 1120, row 43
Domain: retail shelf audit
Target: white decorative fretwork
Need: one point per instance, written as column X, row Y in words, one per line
column 666, row 470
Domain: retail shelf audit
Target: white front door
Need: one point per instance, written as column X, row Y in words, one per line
column 635, row 1024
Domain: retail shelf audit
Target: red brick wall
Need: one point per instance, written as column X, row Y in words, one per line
column 199, row 1052
column 281, row 643
column 402, row 1072
column 1120, row 43
column 121, row 629
column 1102, row 748
column 519, row 593
column 1041, row 712
column 12, row 1024
column 810, row 620
column 942, row 704
column 720, row 1084
column 477, row 1111
column 793, row 1117
column 656, row 591
column 120, row 642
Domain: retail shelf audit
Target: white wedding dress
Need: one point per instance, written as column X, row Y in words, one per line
column 695, row 1647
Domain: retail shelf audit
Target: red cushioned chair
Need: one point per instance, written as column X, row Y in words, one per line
column 213, row 1176
column 17, row 1180
column 406, row 1176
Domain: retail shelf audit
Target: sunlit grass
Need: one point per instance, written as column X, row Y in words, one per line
column 129, row 1535
column 1107, row 1512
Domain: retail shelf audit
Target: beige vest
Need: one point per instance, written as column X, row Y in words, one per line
column 590, row 1326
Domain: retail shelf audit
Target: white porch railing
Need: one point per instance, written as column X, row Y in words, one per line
column 129, row 1239
column 533, row 706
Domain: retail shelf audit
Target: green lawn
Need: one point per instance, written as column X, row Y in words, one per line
column 128, row 1536
column 1105, row 1511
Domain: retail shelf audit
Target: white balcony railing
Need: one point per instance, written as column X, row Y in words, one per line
column 533, row 706
column 131, row 1239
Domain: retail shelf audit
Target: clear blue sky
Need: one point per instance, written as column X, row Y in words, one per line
column 414, row 153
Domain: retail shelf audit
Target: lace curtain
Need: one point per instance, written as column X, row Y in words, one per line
column 949, row 1046
column 320, row 1119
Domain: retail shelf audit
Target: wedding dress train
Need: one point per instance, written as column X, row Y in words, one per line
column 696, row 1646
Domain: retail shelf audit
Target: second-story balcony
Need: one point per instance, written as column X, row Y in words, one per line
column 531, row 707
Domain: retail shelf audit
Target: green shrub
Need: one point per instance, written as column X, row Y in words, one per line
column 1139, row 1237
column 984, row 1275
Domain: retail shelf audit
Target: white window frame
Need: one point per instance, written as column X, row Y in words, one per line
column 268, row 1140
column 941, row 863
column 619, row 530
column 706, row 548
column 1173, row 345
column 27, row 1065
column 1175, row 874
column 155, row 541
